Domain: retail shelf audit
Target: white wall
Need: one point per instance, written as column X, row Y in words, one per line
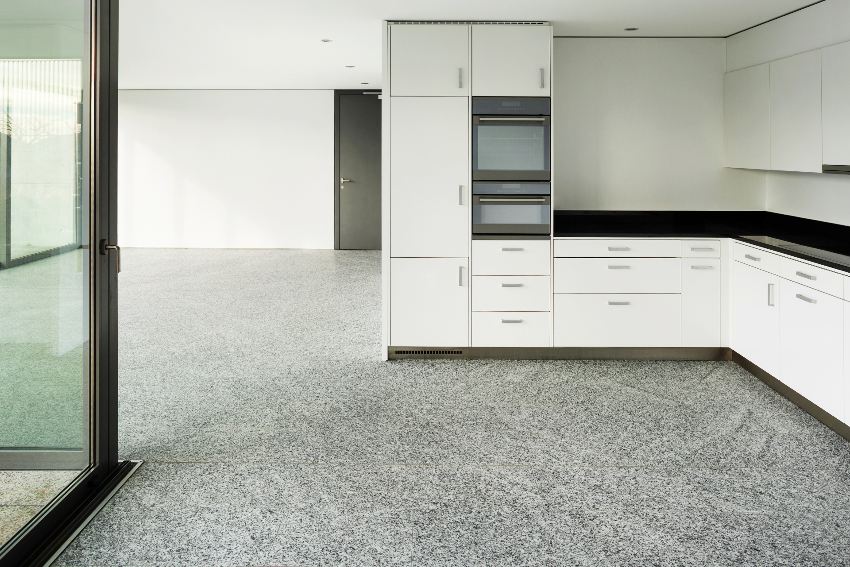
column 814, row 196
column 639, row 125
column 226, row 169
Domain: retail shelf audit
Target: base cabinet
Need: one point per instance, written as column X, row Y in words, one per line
column 701, row 302
column 846, row 396
column 754, row 316
column 811, row 334
column 429, row 302
column 511, row 329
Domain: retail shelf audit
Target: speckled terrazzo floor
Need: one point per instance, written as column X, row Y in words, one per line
column 273, row 435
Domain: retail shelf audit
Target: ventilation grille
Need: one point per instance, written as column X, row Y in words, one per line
column 442, row 22
column 439, row 352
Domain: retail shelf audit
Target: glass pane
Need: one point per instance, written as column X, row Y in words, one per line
column 511, row 148
column 510, row 214
column 44, row 253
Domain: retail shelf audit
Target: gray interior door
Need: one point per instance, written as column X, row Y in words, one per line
column 359, row 171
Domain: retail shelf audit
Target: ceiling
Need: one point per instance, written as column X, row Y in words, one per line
column 265, row 44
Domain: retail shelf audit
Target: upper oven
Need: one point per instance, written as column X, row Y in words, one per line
column 511, row 139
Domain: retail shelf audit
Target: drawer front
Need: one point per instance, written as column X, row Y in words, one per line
column 511, row 258
column 701, row 302
column 700, row 249
column 506, row 329
column 813, row 276
column 621, row 320
column 630, row 248
column 618, row 275
column 757, row 258
column 511, row 293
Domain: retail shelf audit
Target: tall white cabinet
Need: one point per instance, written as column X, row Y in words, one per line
column 431, row 69
column 836, row 104
column 795, row 113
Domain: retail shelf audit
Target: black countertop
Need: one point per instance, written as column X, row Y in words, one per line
column 816, row 241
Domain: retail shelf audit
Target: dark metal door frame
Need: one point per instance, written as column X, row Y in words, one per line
column 46, row 534
column 337, row 94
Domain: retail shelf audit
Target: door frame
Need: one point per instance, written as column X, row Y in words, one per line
column 46, row 535
column 337, row 95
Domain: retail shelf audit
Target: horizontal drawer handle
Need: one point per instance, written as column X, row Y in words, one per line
column 511, row 321
column 512, row 285
column 802, row 297
column 806, row 276
column 619, row 267
column 512, row 200
column 618, row 249
column 615, row 303
column 702, row 249
column 753, row 258
column 508, row 249
column 702, row 267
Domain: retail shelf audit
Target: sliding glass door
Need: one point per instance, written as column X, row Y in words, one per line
column 57, row 267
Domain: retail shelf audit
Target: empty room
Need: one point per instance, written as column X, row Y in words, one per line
column 424, row 283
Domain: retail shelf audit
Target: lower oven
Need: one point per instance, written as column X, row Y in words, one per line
column 511, row 209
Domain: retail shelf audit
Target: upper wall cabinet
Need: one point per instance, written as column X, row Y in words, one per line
column 429, row 60
column 747, row 117
column 836, row 105
column 795, row 109
column 511, row 60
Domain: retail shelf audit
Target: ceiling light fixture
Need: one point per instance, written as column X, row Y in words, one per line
column 631, row 29
column 349, row 66
column 326, row 40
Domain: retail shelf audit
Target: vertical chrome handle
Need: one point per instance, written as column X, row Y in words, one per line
column 771, row 301
column 460, row 77
column 460, row 195
column 460, row 276
column 542, row 78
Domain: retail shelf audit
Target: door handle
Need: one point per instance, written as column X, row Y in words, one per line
column 460, row 77
column 460, row 276
column 343, row 181
column 106, row 248
column 542, row 78
column 771, row 301
column 460, row 195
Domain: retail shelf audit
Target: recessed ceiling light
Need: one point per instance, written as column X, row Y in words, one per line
column 631, row 29
column 326, row 40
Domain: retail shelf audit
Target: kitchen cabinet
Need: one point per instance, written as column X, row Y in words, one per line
column 754, row 316
column 511, row 60
column 812, row 349
column 429, row 302
column 795, row 113
column 846, row 396
column 746, row 99
column 429, row 194
column 701, row 303
column 429, row 60
column 836, row 104
column 511, row 329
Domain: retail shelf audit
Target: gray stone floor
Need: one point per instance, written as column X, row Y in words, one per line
column 273, row 435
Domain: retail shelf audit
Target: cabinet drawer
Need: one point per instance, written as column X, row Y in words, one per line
column 618, row 248
column 511, row 258
column 510, row 293
column 621, row 320
column 700, row 249
column 757, row 258
column 812, row 276
column 618, row 275
column 506, row 329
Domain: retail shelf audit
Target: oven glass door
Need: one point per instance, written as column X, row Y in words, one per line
column 511, row 148
column 511, row 215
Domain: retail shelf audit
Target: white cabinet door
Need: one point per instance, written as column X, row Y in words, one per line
column 747, row 117
column 846, row 396
column 429, row 302
column 429, row 60
column 429, row 188
column 511, row 60
column 701, row 309
column 754, row 316
column 836, row 104
column 795, row 111
column 812, row 353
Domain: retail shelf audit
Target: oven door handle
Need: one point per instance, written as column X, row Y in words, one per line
column 512, row 118
column 511, row 200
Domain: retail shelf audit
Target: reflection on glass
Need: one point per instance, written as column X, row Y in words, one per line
column 512, row 148
column 44, row 254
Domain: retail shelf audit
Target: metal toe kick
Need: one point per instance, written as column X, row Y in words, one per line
column 558, row 353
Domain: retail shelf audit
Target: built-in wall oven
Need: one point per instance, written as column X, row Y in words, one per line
column 511, row 209
column 511, row 173
column 511, row 139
